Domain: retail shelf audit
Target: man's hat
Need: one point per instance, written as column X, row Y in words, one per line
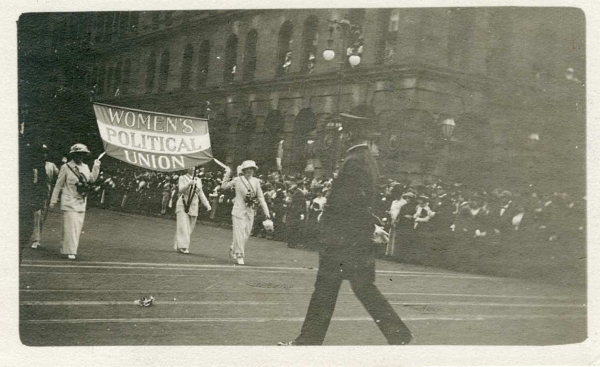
column 248, row 164
column 354, row 122
column 506, row 193
column 346, row 117
column 79, row 148
column 409, row 195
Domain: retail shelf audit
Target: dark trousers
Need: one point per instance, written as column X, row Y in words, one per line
column 324, row 297
column 294, row 233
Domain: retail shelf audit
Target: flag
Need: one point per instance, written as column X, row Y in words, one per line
column 153, row 140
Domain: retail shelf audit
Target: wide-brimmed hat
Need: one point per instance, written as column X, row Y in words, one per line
column 248, row 164
column 423, row 197
column 409, row 195
column 79, row 148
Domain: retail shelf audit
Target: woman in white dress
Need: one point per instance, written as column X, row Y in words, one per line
column 248, row 195
column 72, row 185
column 190, row 188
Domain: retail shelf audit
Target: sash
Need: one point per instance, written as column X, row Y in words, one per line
column 187, row 204
column 78, row 174
column 249, row 186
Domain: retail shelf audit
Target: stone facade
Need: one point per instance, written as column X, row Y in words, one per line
column 498, row 72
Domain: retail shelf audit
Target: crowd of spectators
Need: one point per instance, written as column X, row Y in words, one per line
column 412, row 212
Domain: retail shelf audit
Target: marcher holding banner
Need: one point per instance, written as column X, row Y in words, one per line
column 190, row 189
column 72, row 185
column 248, row 194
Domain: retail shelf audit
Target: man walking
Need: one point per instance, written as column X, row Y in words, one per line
column 296, row 215
column 346, row 249
column 45, row 174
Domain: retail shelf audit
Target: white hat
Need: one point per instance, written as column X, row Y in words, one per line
column 248, row 164
column 79, row 148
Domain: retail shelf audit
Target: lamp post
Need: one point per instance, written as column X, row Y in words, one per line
column 344, row 26
column 448, row 125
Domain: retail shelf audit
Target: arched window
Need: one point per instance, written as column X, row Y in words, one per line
column 163, row 73
column 186, row 67
column 284, row 50
column 462, row 24
column 203, row 61
column 150, row 72
column 250, row 55
column 355, row 36
column 230, row 59
column 310, row 40
column 389, row 21
column 126, row 76
column 499, row 44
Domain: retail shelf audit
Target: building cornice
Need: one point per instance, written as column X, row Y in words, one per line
column 189, row 26
column 466, row 81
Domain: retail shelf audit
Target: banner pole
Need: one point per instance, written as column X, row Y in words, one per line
column 220, row 163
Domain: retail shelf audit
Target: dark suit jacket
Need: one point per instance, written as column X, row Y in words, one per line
column 347, row 220
column 403, row 222
column 297, row 206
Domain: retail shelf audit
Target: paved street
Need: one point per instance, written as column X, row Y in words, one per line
column 204, row 299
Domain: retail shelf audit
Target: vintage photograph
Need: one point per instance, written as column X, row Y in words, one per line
column 292, row 177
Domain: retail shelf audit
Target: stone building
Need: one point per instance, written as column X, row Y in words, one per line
column 479, row 95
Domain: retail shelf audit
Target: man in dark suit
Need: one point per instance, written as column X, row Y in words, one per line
column 502, row 213
column 346, row 251
column 296, row 216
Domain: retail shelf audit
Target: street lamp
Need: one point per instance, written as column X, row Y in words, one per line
column 329, row 54
column 354, row 60
column 353, row 57
column 448, row 126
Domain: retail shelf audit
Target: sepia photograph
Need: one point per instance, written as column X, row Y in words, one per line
column 378, row 176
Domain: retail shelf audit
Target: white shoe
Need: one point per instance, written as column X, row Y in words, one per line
column 36, row 244
column 240, row 261
column 183, row 250
column 71, row 257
